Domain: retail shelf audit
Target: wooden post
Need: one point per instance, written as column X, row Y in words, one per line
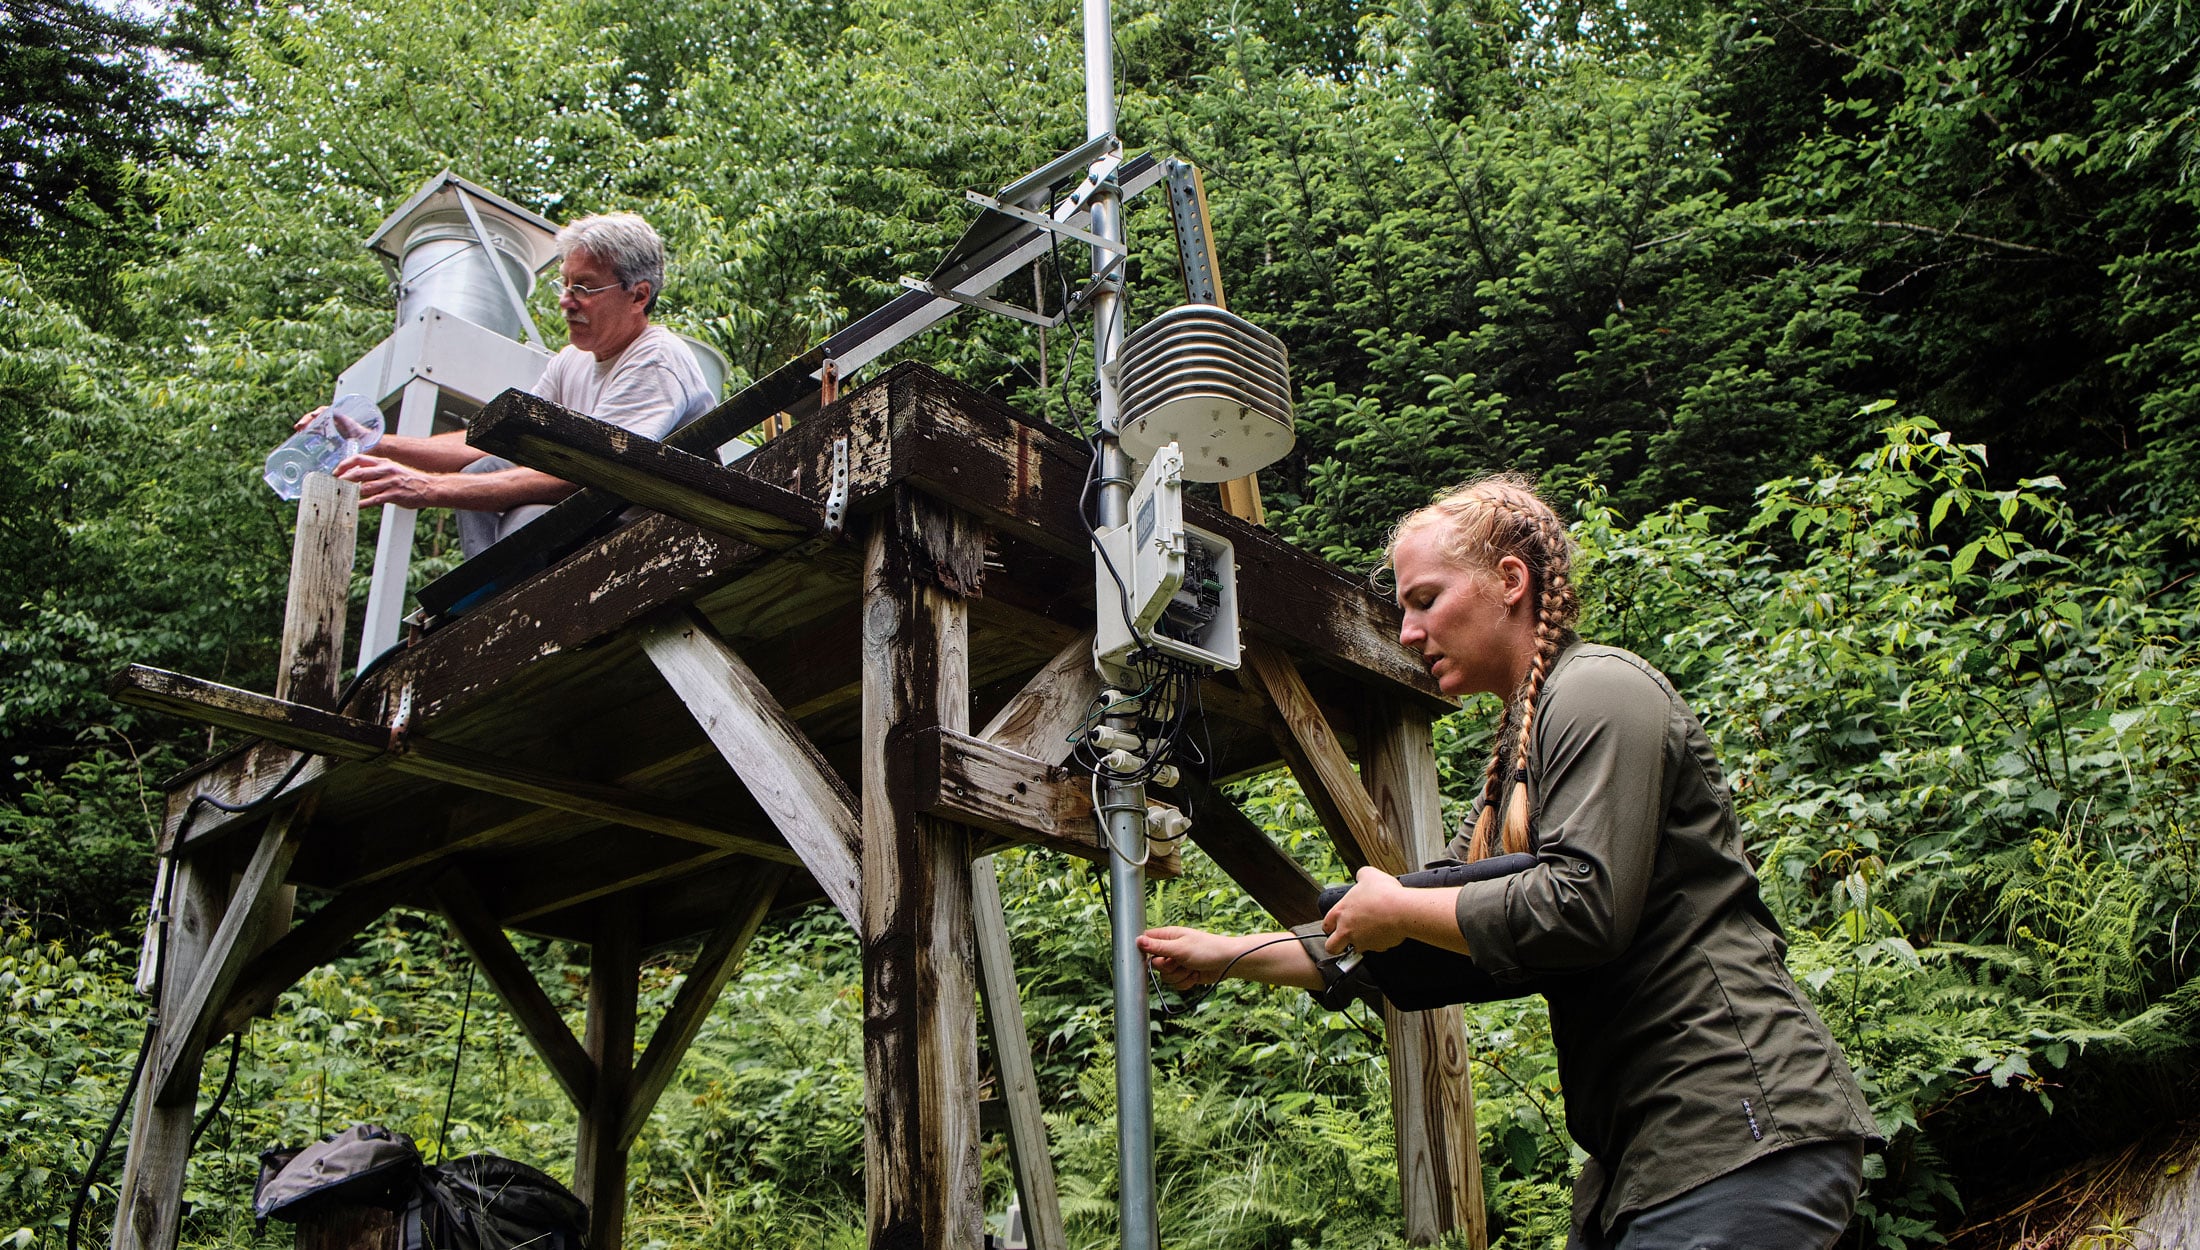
column 1431, row 1097
column 1004, row 1018
column 321, row 557
column 311, row 662
column 599, row 1164
column 149, row 1207
column 920, row 1138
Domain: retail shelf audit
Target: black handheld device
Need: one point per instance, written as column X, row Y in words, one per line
column 1415, row 976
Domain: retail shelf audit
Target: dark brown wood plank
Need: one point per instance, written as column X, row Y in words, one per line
column 534, row 432
column 211, row 703
column 515, row 985
column 969, row 449
column 714, row 964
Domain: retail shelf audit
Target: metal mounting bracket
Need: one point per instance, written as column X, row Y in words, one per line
column 1044, row 222
column 836, row 500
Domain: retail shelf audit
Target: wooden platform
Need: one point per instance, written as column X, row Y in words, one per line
column 759, row 693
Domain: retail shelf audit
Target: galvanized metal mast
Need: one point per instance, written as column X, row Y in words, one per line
column 1123, row 807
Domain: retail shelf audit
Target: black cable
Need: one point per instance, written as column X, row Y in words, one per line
column 458, row 1057
column 229, row 1082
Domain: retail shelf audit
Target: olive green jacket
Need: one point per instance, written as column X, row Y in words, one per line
column 1685, row 1049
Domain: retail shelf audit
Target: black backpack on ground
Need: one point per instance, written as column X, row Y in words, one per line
column 480, row 1202
column 483, row 1202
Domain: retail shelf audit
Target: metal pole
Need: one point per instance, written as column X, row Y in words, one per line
column 1123, row 807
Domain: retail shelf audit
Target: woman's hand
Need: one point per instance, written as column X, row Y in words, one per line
column 1371, row 916
column 1184, row 957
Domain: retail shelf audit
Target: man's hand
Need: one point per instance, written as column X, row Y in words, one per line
column 345, row 426
column 386, row 481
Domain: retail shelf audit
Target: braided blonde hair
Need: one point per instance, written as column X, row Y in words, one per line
column 1481, row 523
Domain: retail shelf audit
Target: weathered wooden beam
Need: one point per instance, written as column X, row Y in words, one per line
column 1039, row 720
column 1318, row 760
column 477, row 770
column 587, row 511
column 920, row 1140
column 292, row 724
column 149, row 1197
column 515, row 984
column 1250, row 857
column 184, row 1031
column 534, row 432
column 1431, row 1096
column 714, row 963
column 781, row 767
column 600, row 1157
column 974, row 782
column 245, row 777
column 562, row 883
column 1029, row 1155
column 314, row 941
column 624, row 576
column 345, row 737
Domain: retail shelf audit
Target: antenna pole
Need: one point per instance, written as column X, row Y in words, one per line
column 1123, row 807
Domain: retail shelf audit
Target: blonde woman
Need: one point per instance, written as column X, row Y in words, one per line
column 1714, row 1106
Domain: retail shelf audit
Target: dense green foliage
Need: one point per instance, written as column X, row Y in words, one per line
column 1900, row 293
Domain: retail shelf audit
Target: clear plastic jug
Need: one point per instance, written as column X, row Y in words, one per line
column 347, row 427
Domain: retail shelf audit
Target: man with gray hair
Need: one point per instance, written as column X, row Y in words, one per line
column 617, row 367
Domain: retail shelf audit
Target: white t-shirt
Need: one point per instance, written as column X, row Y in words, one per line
column 652, row 388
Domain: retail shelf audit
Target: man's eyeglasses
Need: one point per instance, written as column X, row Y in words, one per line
column 577, row 291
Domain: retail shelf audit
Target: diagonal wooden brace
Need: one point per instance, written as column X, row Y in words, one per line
column 515, row 984
column 186, row 1025
column 812, row 807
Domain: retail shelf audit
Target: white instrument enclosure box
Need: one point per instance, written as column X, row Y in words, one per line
column 1154, row 555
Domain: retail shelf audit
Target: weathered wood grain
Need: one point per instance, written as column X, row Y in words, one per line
column 1039, row 720
column 1323, row 770
column 149, row 1197
column 211, row 703
column 600, row 1159
column 773, row 757
column 322, row 551
column 187, row 1021
column 919, row 990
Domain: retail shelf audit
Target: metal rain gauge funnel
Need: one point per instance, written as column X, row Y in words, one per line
column 1211, row 382
column 468, row 251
